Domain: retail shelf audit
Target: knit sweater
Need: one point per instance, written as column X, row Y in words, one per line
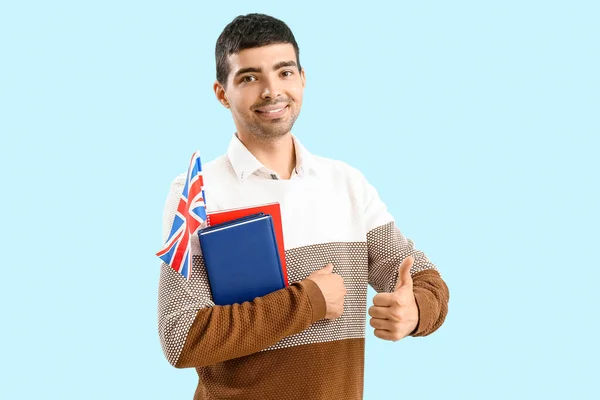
column 279, row 346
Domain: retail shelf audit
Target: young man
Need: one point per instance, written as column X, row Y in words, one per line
column 305, row 341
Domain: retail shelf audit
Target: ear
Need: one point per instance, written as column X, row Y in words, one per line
column 220, row 94
column 303, row 78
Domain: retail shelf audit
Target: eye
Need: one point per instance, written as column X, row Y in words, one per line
column 287, row 73
column 247, row 79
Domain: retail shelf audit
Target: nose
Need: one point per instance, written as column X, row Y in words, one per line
column 270, row 90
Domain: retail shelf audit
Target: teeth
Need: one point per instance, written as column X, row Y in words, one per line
column 273, row 111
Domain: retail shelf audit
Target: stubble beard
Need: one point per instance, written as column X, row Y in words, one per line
column 271, row 130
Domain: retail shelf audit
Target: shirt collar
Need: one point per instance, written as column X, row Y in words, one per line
column 305, row 161
column 245, row 164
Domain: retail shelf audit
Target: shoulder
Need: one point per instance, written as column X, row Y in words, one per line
column 217, row 166
column 214, row 168
column 341, row 170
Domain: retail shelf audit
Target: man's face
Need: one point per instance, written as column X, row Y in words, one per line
column 264, row 90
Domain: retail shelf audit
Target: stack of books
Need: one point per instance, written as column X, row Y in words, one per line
column 244, row 253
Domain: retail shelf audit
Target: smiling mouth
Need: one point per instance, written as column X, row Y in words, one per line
column 273, row 113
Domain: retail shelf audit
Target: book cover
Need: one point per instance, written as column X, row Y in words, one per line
column 242, row 259
column 273, row 209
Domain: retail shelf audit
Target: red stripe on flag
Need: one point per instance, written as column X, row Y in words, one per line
column 181, row 249
column 169, row 245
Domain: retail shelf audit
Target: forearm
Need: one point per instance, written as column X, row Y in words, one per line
column 194, row 332
column 432, row 296
column 387, row 248
column 222, row 333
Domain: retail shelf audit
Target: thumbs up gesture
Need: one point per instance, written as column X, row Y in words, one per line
column 395, row 315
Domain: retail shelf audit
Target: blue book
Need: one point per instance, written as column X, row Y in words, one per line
column 242, row 259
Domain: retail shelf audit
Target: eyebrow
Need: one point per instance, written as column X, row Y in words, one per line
column 277, row 66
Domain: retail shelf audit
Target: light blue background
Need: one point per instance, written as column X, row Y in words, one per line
column 477, row 122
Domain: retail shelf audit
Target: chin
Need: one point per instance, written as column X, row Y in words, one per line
column 269, row 132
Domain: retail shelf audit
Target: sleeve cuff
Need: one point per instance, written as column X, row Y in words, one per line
column 316, row 299
column 426, row 317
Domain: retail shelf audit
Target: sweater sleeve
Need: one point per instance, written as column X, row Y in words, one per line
column 194, row 332
column 387, row 247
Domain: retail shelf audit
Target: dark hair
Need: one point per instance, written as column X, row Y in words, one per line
column 249, row 31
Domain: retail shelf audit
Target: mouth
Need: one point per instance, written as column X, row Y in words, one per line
column 272, row 112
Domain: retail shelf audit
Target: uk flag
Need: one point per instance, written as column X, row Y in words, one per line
column 190, row 215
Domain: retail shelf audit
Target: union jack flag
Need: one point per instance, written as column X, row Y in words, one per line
column 190, row 215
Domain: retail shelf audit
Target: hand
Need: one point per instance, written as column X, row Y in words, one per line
column 333, row 289
column 395, row 315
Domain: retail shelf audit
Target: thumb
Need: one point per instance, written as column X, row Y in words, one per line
column 404, row 278
column 328, row 269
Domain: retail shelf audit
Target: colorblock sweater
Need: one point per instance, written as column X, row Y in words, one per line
column 279, row 346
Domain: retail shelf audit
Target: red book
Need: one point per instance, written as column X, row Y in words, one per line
column 273, row 209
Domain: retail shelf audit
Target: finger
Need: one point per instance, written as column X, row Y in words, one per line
column 379, row 323
column 328, row 268
column 379, row 312
column 383, row 334
column 384, row 299
column 404, row 277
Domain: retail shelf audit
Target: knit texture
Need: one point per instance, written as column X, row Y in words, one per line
column 279, row 346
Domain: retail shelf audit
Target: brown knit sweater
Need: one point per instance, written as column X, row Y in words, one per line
column 279, row 346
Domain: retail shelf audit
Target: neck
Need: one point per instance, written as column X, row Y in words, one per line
column 277, row 154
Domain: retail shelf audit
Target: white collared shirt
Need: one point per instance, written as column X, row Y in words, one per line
column 245, row 164
column 327, row 200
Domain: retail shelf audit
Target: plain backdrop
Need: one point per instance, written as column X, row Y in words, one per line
column 477, row 122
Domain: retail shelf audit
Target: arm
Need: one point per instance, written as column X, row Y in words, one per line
column 195, row 332
column 387, row 248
